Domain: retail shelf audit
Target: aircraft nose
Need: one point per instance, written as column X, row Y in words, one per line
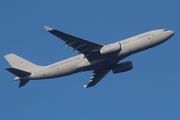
column 171, row 33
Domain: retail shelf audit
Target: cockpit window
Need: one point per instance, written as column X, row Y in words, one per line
column 165, row 30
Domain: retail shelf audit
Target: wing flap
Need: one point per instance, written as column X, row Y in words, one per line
column 83, row 46
column 96, row 77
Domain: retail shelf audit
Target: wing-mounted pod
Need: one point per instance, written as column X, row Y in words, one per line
column 122, row 67
column 110, row 48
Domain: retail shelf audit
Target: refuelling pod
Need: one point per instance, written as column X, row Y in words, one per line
column 110, row 48
column 122, row 67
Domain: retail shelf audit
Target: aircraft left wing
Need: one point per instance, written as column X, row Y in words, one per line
column 83, row 46
column 97, row 75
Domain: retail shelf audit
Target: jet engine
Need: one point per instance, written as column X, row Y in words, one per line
column 110, row 48
column 122, row 67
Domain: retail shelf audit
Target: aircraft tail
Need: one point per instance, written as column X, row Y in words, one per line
column 21, row 68
column 17, row 72
column 21, row 74
column 20, row 63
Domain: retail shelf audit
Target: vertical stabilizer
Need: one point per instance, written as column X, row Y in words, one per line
column 21, row 68
column 20, row 63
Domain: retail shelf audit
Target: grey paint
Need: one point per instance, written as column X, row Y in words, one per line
column 91, row 57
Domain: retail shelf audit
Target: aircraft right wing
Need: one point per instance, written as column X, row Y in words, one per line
column 97, row 75
column 88, row 48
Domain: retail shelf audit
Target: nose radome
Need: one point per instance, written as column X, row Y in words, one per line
column 171, row 32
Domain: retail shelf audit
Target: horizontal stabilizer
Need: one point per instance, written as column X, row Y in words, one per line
column 23, row 82
column 17, row 72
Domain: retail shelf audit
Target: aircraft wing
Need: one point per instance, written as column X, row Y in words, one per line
column 83, row 46
column 97, row 75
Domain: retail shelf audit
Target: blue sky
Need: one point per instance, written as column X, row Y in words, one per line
column 150, row 91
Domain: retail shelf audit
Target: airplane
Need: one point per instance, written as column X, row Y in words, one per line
column 99, row 58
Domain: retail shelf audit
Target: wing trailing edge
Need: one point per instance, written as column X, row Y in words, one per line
column 83, row 46
column 48, row 28
column 96, row 77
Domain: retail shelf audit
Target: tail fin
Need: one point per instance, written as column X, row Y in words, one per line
column 21, row 68
column 20, row 63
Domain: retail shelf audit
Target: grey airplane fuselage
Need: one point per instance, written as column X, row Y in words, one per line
column 80, row 62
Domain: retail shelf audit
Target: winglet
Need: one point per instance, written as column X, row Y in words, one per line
column 48, row 28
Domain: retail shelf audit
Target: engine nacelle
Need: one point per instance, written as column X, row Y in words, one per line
column 110, row 48
column 122, row 67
